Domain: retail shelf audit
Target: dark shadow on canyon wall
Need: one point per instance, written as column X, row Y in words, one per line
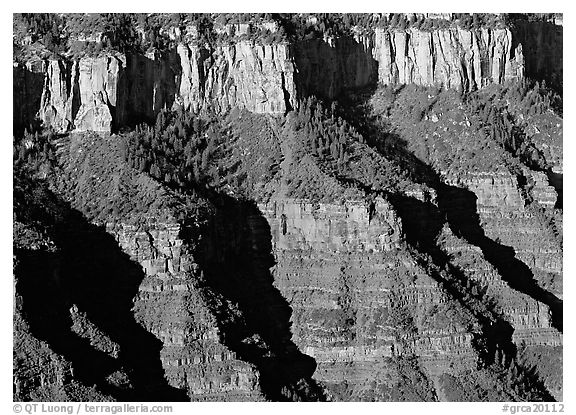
column 556, row 180
column 236, row 257
column 456, row 207
column 459, row 205
column 422, row 222
column 91, row 272
column 542, row 48
column 145, row 87
column 327, row 71
column 27, row 87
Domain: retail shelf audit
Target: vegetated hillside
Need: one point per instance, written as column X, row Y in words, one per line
column 249, row 241
column 124, row 31
column 211, row 177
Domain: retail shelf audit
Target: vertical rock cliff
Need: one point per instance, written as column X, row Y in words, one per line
column 110, row 91
column 259, row 78
column 450, row 58
column 107, row 92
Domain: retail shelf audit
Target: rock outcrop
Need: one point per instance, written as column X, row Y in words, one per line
column 449, row 58
column 259, row 78
column 170, row 306
column 506, row 217
column 114, row 90
column 111, row 91
column 359, row 300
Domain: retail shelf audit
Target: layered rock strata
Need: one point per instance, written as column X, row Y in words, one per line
column 507, row 218
column 359, row 300
column 169, row 304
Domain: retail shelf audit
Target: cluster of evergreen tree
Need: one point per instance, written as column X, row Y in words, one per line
column 318, row 25
column 32, row 151
column 517, row 377
column 504, row 112
column 154, row 37
column 178, row 150
column 44, row 27
column 325, row 132
column 533, row 98
column 119, row 32
column 500, row 127
column 467, row 21
column 120, row 29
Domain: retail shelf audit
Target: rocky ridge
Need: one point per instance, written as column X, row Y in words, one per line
column 112, row 90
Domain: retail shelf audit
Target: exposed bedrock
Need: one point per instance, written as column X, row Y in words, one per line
column 78, row 301
column 107, row 92
column 360, row 301
column 259, row 78
column 237, row 257
column 532, row 232
column 171, row 304
column 451, row 58
column 110, row 91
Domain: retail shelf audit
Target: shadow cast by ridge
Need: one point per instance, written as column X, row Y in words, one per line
column 236, row 257
column 91, row 273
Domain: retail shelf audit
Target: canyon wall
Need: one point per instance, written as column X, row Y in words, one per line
column 109, row 91
column 359, row 300
column 532, row 232
column 450, row 58
column 261, row 302
column 169, row 304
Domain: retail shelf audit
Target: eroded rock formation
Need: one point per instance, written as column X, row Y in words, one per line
column 451, row 58
column 449, row 288
column 113, row 90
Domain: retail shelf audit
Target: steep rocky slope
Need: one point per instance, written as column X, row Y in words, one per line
column 244, row 242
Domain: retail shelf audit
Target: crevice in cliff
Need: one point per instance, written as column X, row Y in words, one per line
column 75, row 91
column 286, row 94
column 90, row 273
